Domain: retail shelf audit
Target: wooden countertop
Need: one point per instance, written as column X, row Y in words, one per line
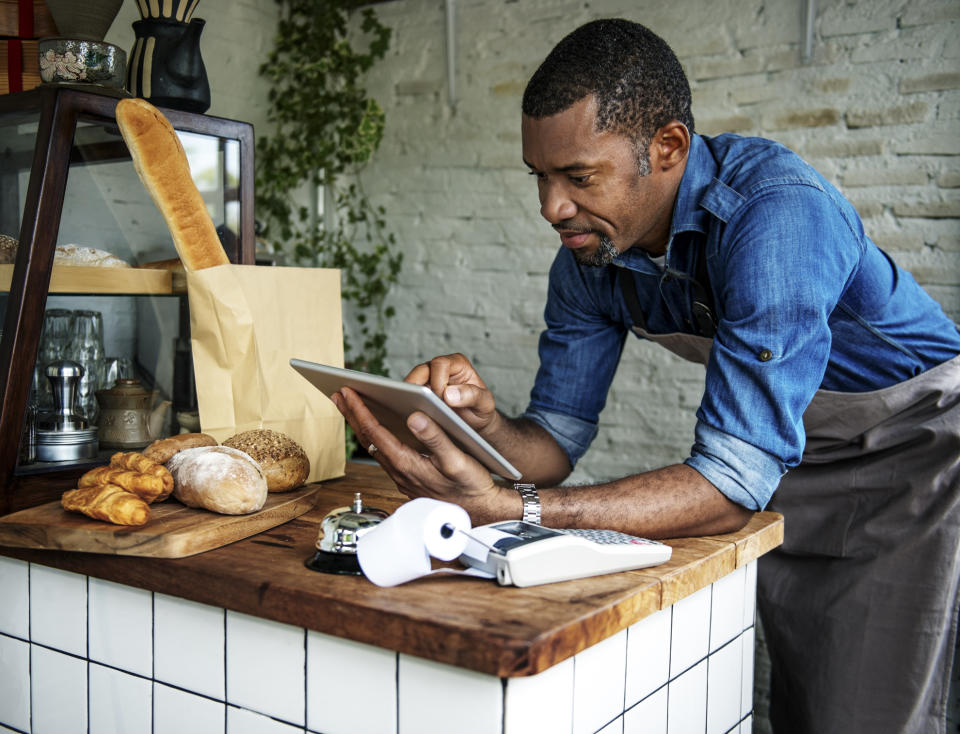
column 471, row 623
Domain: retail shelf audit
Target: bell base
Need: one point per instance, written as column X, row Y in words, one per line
column 340, row 563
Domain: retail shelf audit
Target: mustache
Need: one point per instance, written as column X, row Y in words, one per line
column 567, row 226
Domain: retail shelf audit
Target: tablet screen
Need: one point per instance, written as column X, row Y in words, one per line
column 392, row 401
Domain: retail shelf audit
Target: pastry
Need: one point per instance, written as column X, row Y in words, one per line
column 284, row 462
column 218, row 478
column 145, row 486
column 107, row 502
column 140, row 463
column 163, row 168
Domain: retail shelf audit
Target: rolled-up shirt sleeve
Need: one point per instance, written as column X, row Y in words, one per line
column 744, row 473
column 573, row 434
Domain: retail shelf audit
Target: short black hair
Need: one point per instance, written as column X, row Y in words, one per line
column 636, row 78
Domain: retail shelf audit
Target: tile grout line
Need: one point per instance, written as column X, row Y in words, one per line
column 306, row 688
column 87, row 590
column 153, row 662
column 30, row 641
column 225, row 647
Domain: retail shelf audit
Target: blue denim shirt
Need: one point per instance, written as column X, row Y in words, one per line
column 804, row 301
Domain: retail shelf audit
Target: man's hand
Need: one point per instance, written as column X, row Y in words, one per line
column 446, row 473
column 456, row 382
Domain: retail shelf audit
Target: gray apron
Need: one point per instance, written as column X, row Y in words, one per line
column 860, row 603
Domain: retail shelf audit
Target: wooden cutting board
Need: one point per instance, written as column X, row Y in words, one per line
column 173, row 531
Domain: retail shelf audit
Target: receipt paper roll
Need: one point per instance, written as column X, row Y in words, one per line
column 399, row 548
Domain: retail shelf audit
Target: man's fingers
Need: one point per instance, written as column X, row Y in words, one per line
column 364, row 424
column 468, row 396
column 447, row 457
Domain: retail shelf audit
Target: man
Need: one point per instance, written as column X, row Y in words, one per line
column 832, row 382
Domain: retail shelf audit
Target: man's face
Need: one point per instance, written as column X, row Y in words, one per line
column 590, row 187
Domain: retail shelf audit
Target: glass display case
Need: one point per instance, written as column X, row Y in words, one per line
column 68, row 192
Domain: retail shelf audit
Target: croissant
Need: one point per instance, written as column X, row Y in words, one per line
column 146, row 486
column 140, row 463
column 107, row 502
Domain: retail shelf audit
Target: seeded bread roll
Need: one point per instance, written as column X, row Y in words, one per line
column 283, row 461
column 218, row 478
column 162, row 166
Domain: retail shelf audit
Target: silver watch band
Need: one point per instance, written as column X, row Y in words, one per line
column 531, row 502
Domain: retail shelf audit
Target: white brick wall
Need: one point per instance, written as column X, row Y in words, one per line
column 876, row 110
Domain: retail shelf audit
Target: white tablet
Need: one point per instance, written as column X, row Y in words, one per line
column 392, row 401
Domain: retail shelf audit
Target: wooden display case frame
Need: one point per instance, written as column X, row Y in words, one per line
column 33, row 275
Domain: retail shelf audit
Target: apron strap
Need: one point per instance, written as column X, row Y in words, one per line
column 629, row 288
column 702, row 307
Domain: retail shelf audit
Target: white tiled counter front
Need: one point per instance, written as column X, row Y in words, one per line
column 126, row 660
column 83, row 654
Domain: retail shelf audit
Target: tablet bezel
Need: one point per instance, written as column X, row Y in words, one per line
column 392, row 401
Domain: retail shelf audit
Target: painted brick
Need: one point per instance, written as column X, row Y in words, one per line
column 732, row 124
column 949, row 243
column 898, row 115
column 419, row 87
column 846, row 148
column 931, row 142
column 908, row 45
column 756, row 93
column 934, row 268
column 949, row 179
column 867, row 208
column 838, row 85
column 930, row 83
column 940, row 209
column 845, row 20
column 897, row 241
column 885, row 177
column 822, row 117
column 721, row 67
column 927, row 13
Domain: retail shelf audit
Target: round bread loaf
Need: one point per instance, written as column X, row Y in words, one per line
column 163, row 449
column 218, row 478
column 283, row 461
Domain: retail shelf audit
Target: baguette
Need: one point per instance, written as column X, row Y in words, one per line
column 163, row 168
column 107, row 502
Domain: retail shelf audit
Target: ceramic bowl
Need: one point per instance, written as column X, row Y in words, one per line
column 73, row 61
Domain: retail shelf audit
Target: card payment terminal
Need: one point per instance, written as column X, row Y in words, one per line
column 522, row 554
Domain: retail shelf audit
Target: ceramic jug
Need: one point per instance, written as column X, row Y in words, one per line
column 128, row 419
column 166, row 67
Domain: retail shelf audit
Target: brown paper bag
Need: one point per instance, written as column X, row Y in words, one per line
column 246, row 323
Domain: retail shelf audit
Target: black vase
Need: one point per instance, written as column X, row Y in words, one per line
column 165, row 65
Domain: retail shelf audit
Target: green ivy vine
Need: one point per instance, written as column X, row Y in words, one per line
column 325, row 128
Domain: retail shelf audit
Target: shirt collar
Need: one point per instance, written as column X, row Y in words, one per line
column 697, row 198
column 688, row 215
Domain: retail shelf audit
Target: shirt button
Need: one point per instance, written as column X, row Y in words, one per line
column 766, row 355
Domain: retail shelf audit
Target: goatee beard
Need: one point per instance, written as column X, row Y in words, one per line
column 601, row 257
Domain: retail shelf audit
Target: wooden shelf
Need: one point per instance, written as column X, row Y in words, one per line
column 74, row 279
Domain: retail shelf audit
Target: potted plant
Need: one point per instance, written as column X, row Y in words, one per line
column 325, row 128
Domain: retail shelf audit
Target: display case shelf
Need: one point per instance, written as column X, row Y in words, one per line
column 47, row 135
column 73, row 279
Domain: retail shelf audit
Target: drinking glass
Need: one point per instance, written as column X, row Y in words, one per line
column 55, row 337
column 86, row 347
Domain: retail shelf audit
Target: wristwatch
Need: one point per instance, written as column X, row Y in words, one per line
column 531, row 502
